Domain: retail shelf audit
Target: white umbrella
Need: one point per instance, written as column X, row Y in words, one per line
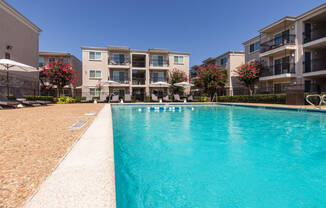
column 7, row 64
column 183, row 84
column 161, row 84
column 110, row 82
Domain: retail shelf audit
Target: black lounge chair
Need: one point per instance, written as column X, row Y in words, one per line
column 166, row 98
column 115, row 99
column 127, row 98
column 154, row 98
column 20, row 98
column 176, row 98
column 7, row 103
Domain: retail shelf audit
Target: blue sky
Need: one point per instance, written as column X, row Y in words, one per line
column 205, row 28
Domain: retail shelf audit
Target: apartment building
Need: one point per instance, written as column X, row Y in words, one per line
column 47, row 57
column 19, row 41
column 292, row 51
column 230, row 61
column 134, row 72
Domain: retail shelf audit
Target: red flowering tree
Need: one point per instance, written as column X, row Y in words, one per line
column 249, row 74
column 59, row 74
column 175, row 76
column 210, row 78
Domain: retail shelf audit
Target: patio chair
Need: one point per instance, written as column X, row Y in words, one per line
column 190, row 98
column 102, row 98
column 154, row 98
column 127, row 98
column 166, row 98
column 20, row 98
column 115, row 99
column 176, row 98
column 7, row 103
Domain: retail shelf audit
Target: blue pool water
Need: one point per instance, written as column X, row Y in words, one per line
column 219, row 156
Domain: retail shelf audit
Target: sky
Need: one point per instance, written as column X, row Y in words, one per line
column 204, row 28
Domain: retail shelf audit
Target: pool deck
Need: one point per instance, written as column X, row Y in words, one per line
column 85, row 177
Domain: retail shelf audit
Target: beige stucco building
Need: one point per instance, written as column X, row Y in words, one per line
column 293, row 52
column 46, row 57
column 230, row 61
column 134, row 72
column 19, row 41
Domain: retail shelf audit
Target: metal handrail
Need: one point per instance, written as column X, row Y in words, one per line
column 321, row 98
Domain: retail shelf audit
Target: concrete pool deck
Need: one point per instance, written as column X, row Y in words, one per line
column 85, row 177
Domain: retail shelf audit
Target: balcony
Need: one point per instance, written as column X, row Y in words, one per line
column 314, row 67
column 119, row 61
column 138, row 81
column 121, row 79
column 159, row 63
column 156, row 79
column 278, row 71
column 277, row 42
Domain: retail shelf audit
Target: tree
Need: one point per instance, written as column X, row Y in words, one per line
column 175, row 76
column 249, row 74
column 210, row 78
column 59, row 74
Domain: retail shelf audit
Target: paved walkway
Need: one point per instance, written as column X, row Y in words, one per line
column 85, row 177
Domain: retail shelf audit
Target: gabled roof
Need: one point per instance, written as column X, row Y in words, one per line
column 280, row 21
column 19, row 16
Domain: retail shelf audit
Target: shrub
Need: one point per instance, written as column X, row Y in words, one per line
column 11, row 97
column 79, row 99
column 64, row 100
column 260, row 98
column 148, row 99
column 95, row 98
column 202, row 98
column 45, row 98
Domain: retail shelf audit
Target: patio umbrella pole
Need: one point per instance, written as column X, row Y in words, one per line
column 7, row 80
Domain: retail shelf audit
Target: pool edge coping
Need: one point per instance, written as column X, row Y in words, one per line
column 45, row 190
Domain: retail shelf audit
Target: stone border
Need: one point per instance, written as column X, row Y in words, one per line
column 85, row 177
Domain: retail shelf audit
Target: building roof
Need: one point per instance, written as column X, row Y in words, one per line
column 284, row 20
column 311, row 11
column 19, row 16
column 251, row 40
column 47, row 53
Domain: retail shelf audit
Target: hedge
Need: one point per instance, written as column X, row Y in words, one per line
column 262, row 98
column 32, row 97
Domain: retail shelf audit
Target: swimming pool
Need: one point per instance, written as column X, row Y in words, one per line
column 219, row 156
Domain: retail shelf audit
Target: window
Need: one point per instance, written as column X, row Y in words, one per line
column 254, row 47
column 119, row 76
column 94, row 92
column 158, row 60
column 52, row 59
column 95, row 74
column 158, row 77
column 178, row 59
column 7, row 55
column 118, row 58
column 224, row 61
column 95, row 55
column 40, row 61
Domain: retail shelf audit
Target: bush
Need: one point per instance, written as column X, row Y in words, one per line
column 11, row 97
column 262, row 98
column 79, row 99
column 148, row 99
column 202, row 98
column 64, row 100
column 95, row 98
column 45, row 98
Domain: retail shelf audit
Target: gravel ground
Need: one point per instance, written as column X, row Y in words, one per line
column 32, row 142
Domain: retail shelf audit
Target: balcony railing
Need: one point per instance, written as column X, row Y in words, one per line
column 285, row 68
column 159, row 63
column 138, row 81
column 314, row 34
column 314, row 65
column 277, row 42
column 154, row 80
column 119, row 62
column 121, row 80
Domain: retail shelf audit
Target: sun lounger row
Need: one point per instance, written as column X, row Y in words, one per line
column 5, row 102
column 176, row 98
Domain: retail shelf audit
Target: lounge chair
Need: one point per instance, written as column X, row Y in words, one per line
column 190, row 98
column 102, row 98
column 166, row 98
column 7, row 103
column 20, row 98
column 176, row 98
column 154, row 98
column 115, row 99
column 127, row 98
